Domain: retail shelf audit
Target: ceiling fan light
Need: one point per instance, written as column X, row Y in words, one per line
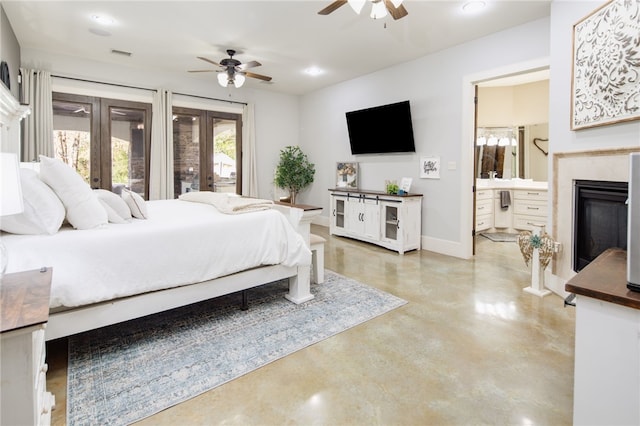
column 238, row 80
column 357, row 5
column 222, row 79
column 396, row 3
column 378, row 10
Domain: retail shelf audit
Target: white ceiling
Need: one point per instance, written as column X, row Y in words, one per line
column 287, row 37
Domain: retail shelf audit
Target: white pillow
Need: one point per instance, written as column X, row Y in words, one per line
column 84, row 211
column 115, row 203
column 136, row 204
column 43, row 211
column 112, row 215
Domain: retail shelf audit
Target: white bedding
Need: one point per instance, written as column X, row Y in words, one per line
column 181, row 243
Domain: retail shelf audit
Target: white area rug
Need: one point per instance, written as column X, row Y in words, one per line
column 126, row 372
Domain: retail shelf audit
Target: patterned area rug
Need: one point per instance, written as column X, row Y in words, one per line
column 126, row 372
column 500, row 236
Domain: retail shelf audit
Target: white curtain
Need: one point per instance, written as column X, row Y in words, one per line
column 249, row 170
column 38, row 126
column 161, row 168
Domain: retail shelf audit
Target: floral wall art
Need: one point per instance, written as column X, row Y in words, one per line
column 606, row 66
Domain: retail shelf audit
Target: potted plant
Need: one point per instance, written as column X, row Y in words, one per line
column 294, row 172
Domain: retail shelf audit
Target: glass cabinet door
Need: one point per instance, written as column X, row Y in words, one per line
column 391, row 222
column 338, row 213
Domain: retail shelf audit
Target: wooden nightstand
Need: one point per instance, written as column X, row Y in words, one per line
column 24, row 299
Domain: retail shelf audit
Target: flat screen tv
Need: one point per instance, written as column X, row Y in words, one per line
column 382, row 129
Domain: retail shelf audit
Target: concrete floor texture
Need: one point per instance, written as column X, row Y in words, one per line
column 469, row 347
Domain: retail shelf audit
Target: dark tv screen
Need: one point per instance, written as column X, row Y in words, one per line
column 381, row 129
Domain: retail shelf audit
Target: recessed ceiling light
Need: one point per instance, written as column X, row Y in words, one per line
column 313, row 71
column 102, row 19
column 473, row 6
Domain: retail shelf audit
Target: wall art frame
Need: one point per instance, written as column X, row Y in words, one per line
column 347, row 175
column 605, row 72
column 430, row 167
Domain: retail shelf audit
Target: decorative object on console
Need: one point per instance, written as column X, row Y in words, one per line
column 430, row 167
column 405, row 185
column 606, row 63
column 294, row 171
column 391, row 187
column 347, row 175
column 10, row 197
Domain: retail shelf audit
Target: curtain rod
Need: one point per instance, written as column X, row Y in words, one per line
column 146, row 88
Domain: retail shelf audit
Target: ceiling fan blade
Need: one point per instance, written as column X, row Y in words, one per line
column 249, row 64
column 258, row 76
column 210, row 61
column 395, row 12
column 202, row 71
column 333, row 6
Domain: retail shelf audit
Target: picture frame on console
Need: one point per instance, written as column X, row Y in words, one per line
column 605, row 66
column 347, row 175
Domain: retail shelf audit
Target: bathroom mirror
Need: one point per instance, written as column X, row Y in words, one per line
column 513, row 152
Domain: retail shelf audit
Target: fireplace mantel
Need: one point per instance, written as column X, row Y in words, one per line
column 11, row 112
column 599, row 165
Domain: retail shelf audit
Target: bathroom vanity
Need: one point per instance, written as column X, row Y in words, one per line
column 510, row 205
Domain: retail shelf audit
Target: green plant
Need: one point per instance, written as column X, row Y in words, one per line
column 294, row 171
column 392, row 187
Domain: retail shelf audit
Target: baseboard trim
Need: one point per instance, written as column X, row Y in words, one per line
column 446, row 247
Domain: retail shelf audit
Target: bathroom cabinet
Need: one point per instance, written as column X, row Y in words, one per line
column 527, row 207
column 390, row 221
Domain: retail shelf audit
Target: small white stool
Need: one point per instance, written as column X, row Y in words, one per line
column 316, row 244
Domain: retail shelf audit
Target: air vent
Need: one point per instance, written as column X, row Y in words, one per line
column 120, row 52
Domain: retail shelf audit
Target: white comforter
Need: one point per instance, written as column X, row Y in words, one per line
column 181, row 243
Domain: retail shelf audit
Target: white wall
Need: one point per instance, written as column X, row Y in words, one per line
column 564, row 14
column 276, row 115
column 9, row 51
column 434, row 86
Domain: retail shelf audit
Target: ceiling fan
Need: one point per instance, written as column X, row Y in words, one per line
column 379, row 8
column 232, row 71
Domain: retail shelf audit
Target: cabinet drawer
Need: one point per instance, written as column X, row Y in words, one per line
column 528, row 222
column 484, row 194
column 531, row 208
column 530, row 194
column 484, row 206
column 483, row 222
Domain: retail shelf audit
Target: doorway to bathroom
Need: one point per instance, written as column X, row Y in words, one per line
column 511, row 148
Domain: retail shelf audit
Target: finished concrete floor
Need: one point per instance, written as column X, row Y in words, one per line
column 470, row 347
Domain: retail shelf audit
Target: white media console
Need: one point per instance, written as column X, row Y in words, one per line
column 390, row 221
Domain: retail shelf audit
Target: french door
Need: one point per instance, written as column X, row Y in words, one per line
column 107, row 141
column 207, row 151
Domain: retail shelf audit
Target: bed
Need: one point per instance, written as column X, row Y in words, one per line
column 182, row 253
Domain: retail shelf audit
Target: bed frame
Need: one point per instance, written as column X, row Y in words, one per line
column 76, row 320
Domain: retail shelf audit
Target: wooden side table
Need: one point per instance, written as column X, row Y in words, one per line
column 24, row 312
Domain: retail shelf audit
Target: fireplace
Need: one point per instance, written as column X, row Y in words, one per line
column 600, row 219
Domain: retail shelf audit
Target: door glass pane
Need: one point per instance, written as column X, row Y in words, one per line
column 186, row 153
column 127, row 149
column 224, row 155
column 72, row 135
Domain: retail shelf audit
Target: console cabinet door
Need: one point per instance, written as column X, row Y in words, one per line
column 338, row 213
column 363, row 216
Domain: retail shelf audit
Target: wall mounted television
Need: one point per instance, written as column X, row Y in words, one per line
column 381, row 129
